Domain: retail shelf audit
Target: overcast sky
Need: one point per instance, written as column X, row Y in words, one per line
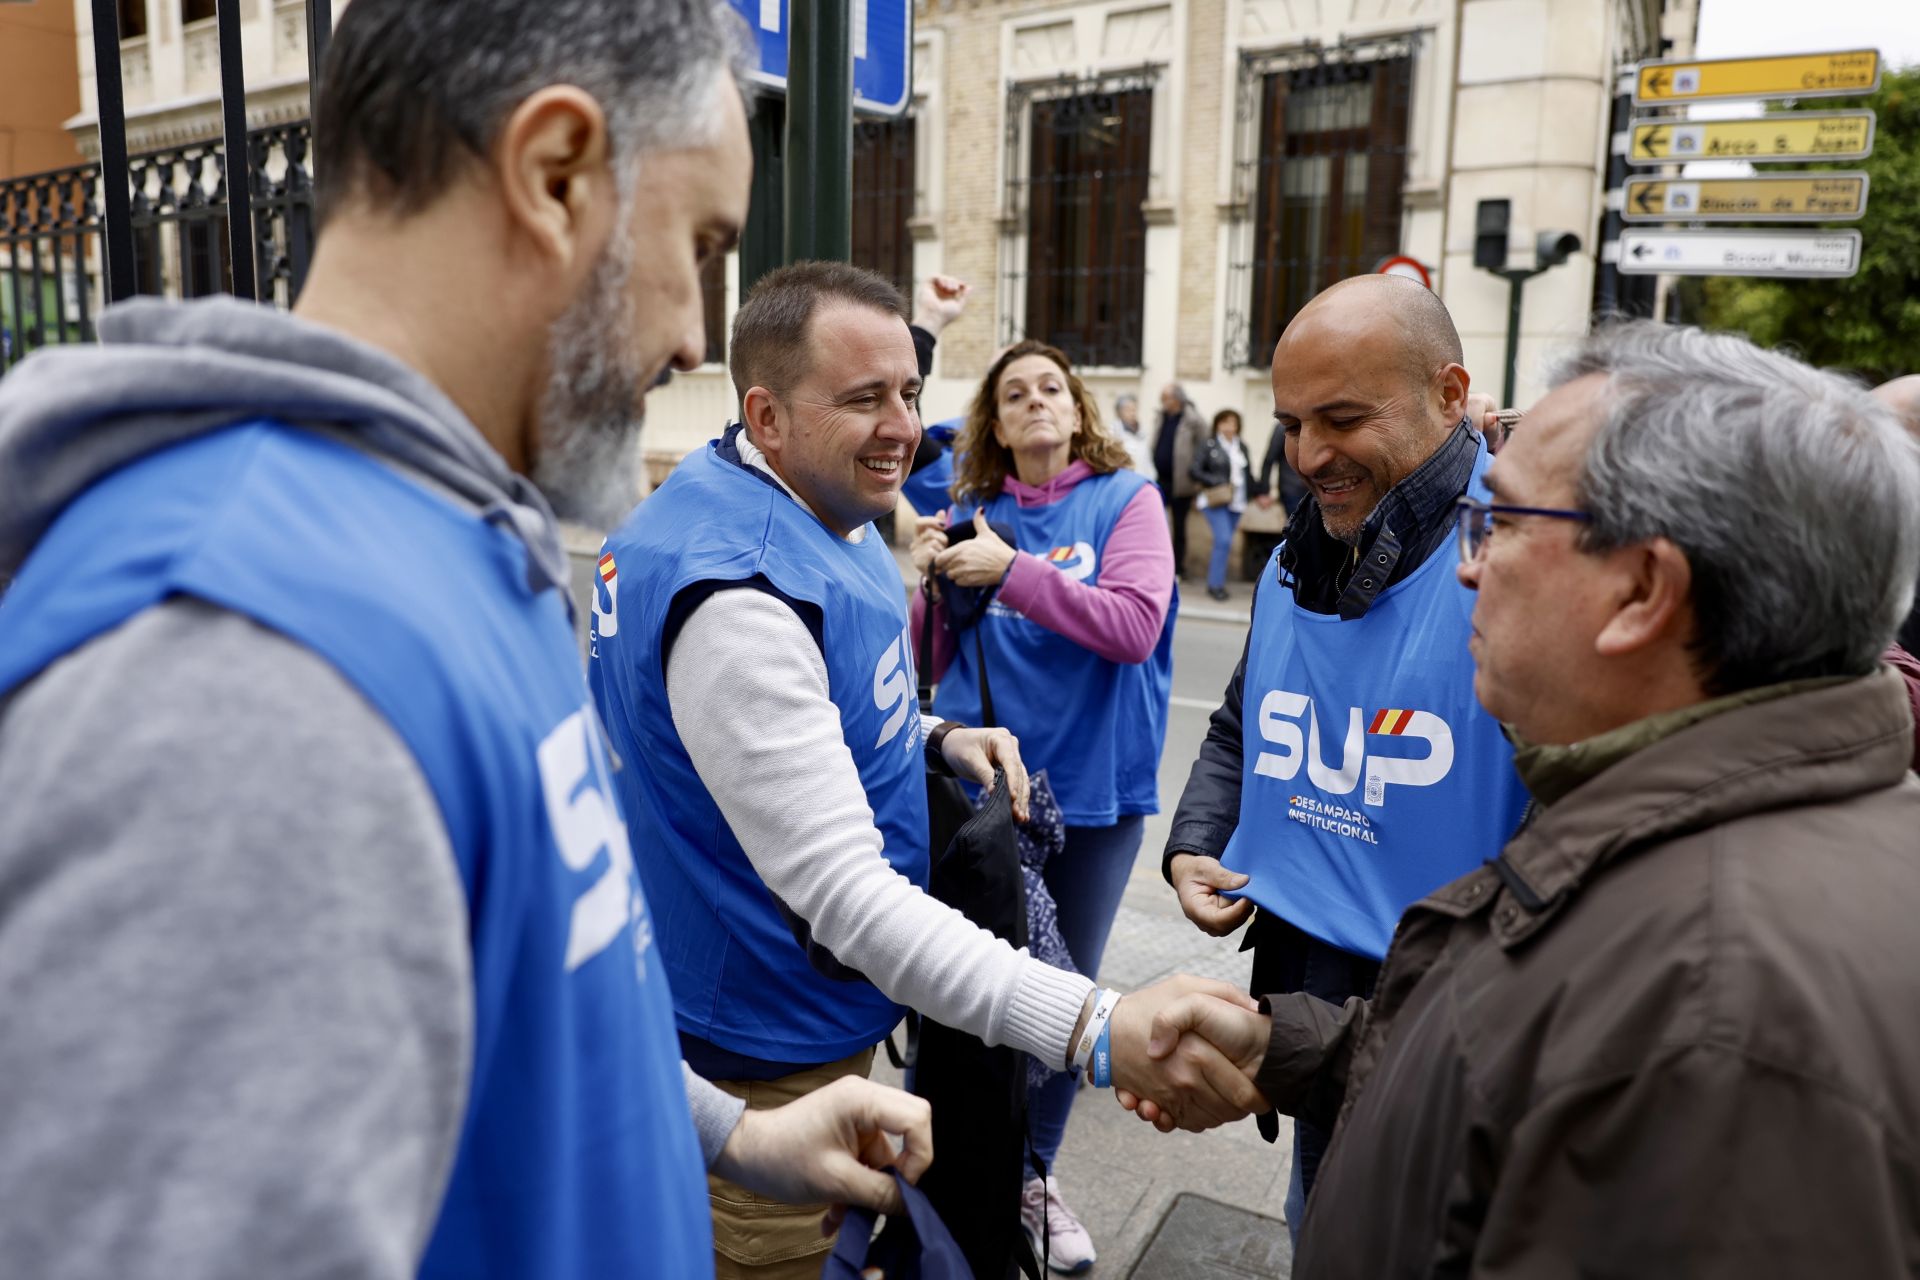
column 1739, row 28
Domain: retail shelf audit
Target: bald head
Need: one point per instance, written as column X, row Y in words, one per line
column 1391, row 310
column 1367, row 384
column 1902, row 395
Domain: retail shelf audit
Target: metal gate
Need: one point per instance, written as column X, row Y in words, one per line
column 74, row 239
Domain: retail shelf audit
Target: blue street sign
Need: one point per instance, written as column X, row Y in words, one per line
column 882, row 38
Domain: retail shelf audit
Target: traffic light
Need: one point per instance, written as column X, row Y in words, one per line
column 1551, row 248
column 1490, row 222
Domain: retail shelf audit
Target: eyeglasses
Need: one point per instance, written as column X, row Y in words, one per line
column 1474, row 521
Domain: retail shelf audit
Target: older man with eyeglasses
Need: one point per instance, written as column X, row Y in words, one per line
column 1669, row 1030
column 1349, row 771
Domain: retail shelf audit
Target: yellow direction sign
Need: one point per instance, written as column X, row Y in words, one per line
column 1791, row 135
column 1799, row 75
column 1783, row 197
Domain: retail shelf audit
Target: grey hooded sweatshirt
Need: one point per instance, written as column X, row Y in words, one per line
column 233, row 941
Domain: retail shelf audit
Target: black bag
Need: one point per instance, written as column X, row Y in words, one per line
column 914, row 1245
column 979, row 1094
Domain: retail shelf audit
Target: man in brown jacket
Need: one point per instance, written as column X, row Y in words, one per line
column 1182, row 436
column 1673, row 1029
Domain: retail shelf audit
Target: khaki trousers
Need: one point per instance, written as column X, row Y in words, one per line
column 755, row 1238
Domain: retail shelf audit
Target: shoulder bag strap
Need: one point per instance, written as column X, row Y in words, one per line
column 925, row 663
column 987, row 720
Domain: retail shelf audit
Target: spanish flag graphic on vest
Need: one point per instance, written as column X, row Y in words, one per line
column 606, row 598
column 1076, row 561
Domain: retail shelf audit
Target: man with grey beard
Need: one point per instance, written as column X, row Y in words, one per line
column 321, row 941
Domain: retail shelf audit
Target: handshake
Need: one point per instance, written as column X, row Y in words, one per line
column 1185, row 1052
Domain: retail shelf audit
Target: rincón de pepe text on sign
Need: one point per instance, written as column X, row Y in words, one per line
column 1772, row 197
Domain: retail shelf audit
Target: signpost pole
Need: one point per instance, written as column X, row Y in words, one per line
column 319, row 35
column 1516, row 281
column 238, row 164
column 762, row 242
column 1607, row 292
column 116, row 223
column 819, row 151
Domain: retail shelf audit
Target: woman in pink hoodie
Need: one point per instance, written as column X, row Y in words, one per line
column 1064, row 590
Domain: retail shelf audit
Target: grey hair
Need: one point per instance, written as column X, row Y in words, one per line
column 1124, row 399
column 1794, row 495
column 410, row 87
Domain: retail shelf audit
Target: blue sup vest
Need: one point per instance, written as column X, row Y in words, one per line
column 742, row 977
column 1095, row 726
column 577, row 1155
column 927, row 487
column 1371, row 776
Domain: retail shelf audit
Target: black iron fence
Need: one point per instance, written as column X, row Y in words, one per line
column 171, row 221
column 52, row 234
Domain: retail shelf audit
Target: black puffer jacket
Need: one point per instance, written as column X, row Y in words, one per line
column 1213, row 465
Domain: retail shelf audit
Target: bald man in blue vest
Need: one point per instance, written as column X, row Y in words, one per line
column 1349, row 769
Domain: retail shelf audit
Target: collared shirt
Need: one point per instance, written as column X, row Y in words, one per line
column 1411, row 522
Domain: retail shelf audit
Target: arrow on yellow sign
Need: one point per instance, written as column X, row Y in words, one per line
column 1798, row 135
column 1800, row 75
column 1785, row 197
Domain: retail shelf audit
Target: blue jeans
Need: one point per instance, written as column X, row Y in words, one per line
column 1223, row 522
column 1086, row 879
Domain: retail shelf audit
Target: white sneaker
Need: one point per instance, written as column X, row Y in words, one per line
column 1069, row 1249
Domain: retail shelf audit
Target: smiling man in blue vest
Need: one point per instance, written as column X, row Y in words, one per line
column 322, row 945
column 758, row 680
column 1349, row 770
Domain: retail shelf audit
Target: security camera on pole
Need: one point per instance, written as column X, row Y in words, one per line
column 1550, row 248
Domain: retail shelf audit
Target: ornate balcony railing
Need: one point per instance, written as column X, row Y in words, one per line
column 50, row 234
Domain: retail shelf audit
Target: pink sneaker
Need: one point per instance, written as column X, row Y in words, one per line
column 1068, row 1248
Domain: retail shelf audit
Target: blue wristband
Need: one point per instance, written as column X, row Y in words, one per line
column 1102, row 1064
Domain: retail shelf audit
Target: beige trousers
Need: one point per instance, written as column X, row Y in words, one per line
column 755, row 1238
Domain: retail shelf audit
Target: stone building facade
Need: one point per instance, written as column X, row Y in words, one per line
column 1155, row 184
column 1489, row 99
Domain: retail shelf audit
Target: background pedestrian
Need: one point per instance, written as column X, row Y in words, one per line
column 1181, row 435
column 1126, row 429
column 1224, row 470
